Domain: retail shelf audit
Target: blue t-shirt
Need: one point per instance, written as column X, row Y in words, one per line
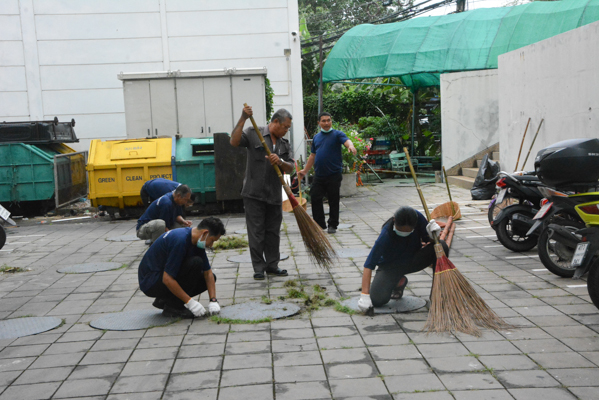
column 158, row 187
column 164, row 208
column 391, row 249
column 167, row 254
column 327, row 147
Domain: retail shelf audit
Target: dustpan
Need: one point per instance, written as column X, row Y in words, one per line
column 450, row 209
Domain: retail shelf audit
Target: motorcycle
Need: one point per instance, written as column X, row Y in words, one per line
column 572, row 167
column 513, row 221
column 585, row 256
column 5, row 218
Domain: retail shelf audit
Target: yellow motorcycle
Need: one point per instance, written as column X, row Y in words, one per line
column 585, row 256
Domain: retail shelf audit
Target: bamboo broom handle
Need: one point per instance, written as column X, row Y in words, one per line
column 277, row 169
column 533, row 143
column 428, row 214
column 521, row 144
column 449, row 192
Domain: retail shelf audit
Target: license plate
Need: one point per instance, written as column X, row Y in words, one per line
column 501, row 196
column 581, row 250
column 541, row 213
column 4, row 213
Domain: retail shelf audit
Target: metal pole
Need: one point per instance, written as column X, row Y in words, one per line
column 414, row 94
column 320, row 106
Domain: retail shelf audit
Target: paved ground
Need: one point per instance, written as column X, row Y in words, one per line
column 319, row 354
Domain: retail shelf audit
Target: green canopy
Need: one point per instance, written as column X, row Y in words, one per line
column 419, row 49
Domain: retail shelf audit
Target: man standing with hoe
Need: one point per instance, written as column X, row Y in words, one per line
column 328, row 164
column 262, row 198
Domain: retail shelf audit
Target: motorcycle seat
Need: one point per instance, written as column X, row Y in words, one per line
column 526, row 178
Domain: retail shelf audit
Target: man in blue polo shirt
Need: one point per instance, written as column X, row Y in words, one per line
column 155, row 189
column 328, row 165
column 176, row 268
column 164, row 214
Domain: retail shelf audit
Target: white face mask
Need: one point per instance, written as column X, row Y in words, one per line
column 330, row 129
column 202, row 243
column 402, row 234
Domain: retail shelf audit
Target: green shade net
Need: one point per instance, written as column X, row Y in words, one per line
column 419, row 49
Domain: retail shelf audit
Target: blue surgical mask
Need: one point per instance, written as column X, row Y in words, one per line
column 201, row 243
column 330, row 129
column 402, row 234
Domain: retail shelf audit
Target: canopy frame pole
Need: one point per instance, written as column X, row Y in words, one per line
column 414, row 94
column 320, row 86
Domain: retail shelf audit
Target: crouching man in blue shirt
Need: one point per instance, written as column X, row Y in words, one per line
column 175, row 269
column 155, row 189
column 398, row 251
column 164, row 214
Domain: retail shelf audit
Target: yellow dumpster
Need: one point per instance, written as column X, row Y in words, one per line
column 119, row 168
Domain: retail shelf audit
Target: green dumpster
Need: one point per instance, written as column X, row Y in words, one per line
column 41, row 176
column 194, row 162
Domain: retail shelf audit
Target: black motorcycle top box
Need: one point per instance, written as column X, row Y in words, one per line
column 38, row 132
column 570, row 165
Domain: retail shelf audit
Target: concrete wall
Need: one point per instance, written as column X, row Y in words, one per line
column 469, row 114
column 61, row 57
column 556, row 80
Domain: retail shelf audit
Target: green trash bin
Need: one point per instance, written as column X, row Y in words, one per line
column 194, row 162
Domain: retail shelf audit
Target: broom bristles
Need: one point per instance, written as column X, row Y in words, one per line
column 319, row 248
column 456, row 306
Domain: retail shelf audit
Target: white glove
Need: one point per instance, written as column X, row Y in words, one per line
column 364, row 303
column 433, row 228
column 196, row 308
column 213, row 308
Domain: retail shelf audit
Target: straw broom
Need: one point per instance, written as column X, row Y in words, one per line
column 319, row 248
column 455, row 305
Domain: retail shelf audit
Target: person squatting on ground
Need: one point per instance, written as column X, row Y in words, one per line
column 398, row 251
column 164, row 214
column 262, row 198
column 155, row 189
column 176, row 268
column 328, row 167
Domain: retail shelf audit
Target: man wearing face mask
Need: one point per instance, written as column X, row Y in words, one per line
column 261, row 191
column 176, row 268
column 398, row 251
column 328, row 165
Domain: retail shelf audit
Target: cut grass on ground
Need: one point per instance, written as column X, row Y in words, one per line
column 230, row 242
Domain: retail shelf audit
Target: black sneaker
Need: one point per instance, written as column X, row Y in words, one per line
column 159, row 303
column 278, row 272
column 172, row 312
column 332, row 230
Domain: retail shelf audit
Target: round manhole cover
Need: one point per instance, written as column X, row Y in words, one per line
column 254, row 311
column 131, row 320
column 19, row 327
column 405, row 304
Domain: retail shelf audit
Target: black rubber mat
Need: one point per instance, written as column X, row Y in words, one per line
column 245, row 258
column 19, row 327
column 131, row 320
column 405, row 304
column 254, row 311
column 90, row 267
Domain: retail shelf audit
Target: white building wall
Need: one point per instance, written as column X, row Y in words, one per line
column 557, row 80
column 469, row 114
column 61, row 57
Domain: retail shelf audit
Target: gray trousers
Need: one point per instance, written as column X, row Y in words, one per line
column 263, row 222
column 387, row 276
column 153, row 229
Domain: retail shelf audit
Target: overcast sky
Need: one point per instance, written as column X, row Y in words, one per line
column 471, row 5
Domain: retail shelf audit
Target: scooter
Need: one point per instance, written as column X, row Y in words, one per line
column 572, row 167
column 585, row 256
column 513, row 222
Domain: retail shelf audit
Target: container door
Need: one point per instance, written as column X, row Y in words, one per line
column 217, row 100
column 249, row 89
column 164, row 110
column 138, row 114
column 190, row 107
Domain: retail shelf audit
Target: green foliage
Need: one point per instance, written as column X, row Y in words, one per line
column 350, row 161
column 386, row 126
column 221, row 320
column 230, row 242
column 6, row 269
column 270, row 94
column 344, row 309
column 290, row 283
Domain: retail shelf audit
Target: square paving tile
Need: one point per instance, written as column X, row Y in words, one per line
column 240, row 377
column 133, row 368
column 37, row 391
column 364, row 387
column 297, row 358
column 205, row 394
column 291, row 374
column 183, row 365
column 470, row 381
column 509, row 362
column 136, row 384
column 413, row 383
column 253, row 392
column 523, row 379
column 561, row 360
column 576, row 376
column 455, row 364
column 493, row 394
column 42, row 375
column 193, row 381
column 302, row 391
column 84, row 387
column 244, row 361
column 545, row 394
column 247, row 347
column 394, row 352
column 97, row 371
